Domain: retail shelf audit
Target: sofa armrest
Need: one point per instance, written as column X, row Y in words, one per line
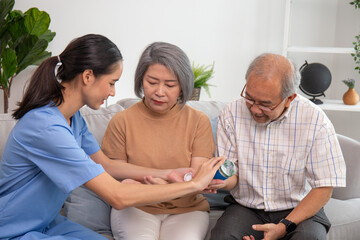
column 351, row 151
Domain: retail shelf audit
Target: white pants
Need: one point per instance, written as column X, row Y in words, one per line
column 134, row 224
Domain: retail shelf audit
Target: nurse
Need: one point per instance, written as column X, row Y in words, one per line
column 50, row 151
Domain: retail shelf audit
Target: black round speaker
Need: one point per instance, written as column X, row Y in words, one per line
column 315, row 79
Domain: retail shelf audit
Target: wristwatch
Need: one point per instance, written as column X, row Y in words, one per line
column 290, row 226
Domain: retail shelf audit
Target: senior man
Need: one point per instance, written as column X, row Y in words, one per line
column 287, row 154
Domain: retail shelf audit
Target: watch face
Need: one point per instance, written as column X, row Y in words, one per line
column 290, row 226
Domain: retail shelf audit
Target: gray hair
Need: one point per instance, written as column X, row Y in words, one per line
column 171, row 57
column 266, row 64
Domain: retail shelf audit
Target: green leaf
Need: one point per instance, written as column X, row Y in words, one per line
column 41, row 57
column 29, row 50
column 36, row 22
column 24, row 38
column 202, row 74
column 5, row 8
column 207, row 90
column 16, row 24
column 48, row 35
column 8, row 66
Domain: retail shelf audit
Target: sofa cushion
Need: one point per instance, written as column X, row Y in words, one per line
column 6, row 125
column 86, row 208
column 97, row 120
column 211, row 108
column 344, row 217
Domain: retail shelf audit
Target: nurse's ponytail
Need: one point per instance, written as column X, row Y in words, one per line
column 91, row 51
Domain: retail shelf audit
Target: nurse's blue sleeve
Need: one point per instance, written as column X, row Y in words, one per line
column 56, row 152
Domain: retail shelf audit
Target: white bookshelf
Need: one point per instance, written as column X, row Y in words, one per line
column 338, row 105
column 320, row 49
column 328, row 104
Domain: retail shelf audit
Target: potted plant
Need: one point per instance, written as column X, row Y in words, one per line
column 202, row 74
column 356, row 3
column 351, row 97
column 23, row 40
column 356, row 55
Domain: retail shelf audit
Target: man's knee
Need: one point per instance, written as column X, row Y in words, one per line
column 308, row 235
column 218, row 233
column 221, row 232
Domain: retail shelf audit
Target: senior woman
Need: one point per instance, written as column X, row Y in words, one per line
column 161, row 132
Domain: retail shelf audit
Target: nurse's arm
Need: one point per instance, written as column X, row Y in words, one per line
column 120, row 195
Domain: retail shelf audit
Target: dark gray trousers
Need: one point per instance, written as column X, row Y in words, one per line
column 236, row 222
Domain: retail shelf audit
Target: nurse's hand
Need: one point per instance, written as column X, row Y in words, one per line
column 206, row 172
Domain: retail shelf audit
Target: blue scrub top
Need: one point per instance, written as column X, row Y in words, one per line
column 43, row 161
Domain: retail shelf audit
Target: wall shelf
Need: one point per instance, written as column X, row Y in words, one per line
column 287, row 48
column 320, row 49
column 338, row 105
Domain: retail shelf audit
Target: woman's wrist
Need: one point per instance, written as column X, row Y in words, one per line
column 165, row 174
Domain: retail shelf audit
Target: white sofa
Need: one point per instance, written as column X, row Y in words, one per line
column 342, row 209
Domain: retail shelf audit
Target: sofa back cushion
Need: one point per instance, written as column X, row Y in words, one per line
column 211, row 108
column 97, row 120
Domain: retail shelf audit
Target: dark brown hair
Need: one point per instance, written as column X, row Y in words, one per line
column 91, row 51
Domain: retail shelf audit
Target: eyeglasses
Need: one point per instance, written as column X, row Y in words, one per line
column 261, row 107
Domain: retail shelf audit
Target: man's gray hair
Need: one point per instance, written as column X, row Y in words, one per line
column 268, row 63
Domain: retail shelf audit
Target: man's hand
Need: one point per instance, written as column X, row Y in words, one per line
column 226, row 184
column 271, row 231
column 214, row 185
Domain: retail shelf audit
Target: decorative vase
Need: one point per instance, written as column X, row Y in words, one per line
column 351, row 97
column 195, row 95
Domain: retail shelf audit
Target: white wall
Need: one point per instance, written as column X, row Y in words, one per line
column 228, row 32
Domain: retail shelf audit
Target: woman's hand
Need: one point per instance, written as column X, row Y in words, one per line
column 154, row 180
column 130, row 181
column 206, row 172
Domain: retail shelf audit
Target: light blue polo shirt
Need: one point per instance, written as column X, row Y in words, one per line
column 43, row 161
